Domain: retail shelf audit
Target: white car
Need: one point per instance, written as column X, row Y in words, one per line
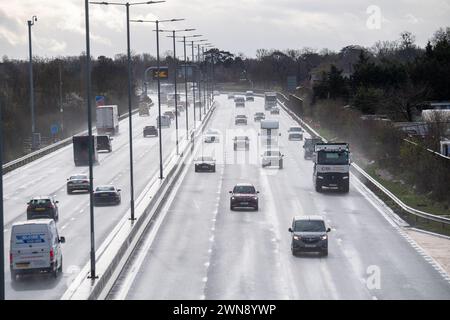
column 295, row 133
column 272, row 158
column 35, row 248
column 211, row 135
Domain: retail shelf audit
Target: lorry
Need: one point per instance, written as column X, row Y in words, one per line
column 331, row 166
column 308, row 147
column 269, row 142
column 81, row 150
column 107, row 120
column 270, row 100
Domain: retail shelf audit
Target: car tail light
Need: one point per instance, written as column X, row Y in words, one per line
column 10, row 258
column 52, row 255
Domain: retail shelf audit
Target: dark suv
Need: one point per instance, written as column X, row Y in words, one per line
column 150, row 131
column 42, row 207
column 309, row 234
column 244, row 195
column 104, row 143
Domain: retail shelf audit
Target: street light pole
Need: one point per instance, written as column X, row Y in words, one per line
column 159, row 102
column 30, row 67
column 193, row 82
column 2, row 244
column 91, row 175
column 130, row 120
column 199, row 79
column 185, row 89
column 175, row 83
column 161, row 176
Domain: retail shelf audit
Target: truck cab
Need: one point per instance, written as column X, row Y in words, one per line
column 270, row 100
column 332, row 166
column 81, row 150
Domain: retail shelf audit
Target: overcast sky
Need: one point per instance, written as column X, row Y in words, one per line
column 233, row 25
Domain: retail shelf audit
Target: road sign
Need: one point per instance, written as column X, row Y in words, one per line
column 54, row 128
column 99, row 101
column 163, row 73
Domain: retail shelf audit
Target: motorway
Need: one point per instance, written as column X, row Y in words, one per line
column 202, row 250
column 47, row 176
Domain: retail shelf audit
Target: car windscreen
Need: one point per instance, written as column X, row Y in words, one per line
column 333, row 158
column 272, row 153
column 105, row 188
column 244, row 189
column 242, row 138
column 295, row 129
column 271, row 98
column 79, row 177
column 40, row 202
column 309, row 226
column 205, row 158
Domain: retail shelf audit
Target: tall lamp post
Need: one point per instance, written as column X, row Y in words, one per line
column 193, row 80
column 185, row 79
column 161, row 176
column 173, row 36
column 30, row 68
column 130, row 121
column 2, row 244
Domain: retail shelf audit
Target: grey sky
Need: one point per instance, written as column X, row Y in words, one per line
column 233, row 25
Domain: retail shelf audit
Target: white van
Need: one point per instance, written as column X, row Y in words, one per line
column 35, row 247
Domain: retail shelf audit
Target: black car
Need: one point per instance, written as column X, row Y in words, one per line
column 150, row 131
column 205, row 163
column 42, row 207
column 78, row 182
column 106, row 195
column 275, row 110
column 309, row 234
column 244, row 195
column 104, row 143
column 240, row 119
column 259, row 116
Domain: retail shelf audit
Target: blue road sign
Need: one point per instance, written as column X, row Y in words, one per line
column 54, row 128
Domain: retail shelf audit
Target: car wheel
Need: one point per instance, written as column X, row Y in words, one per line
column 231, row 207
column 55, row 273
column 214, row 169
column 346, row 188
column 60, row 269
column 256, row 208
column 69, row 191
column 318, row 187
column 325, row 252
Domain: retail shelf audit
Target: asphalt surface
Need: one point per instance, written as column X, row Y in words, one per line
column 47, row 176
column 202, row 250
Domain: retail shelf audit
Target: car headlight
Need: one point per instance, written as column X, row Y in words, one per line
column 232, row 198
column 345, row 177
column 255, row 198
column 319, row 177
column 324, row 237
column 297, row 238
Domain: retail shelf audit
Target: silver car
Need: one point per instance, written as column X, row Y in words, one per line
column 309, row 234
